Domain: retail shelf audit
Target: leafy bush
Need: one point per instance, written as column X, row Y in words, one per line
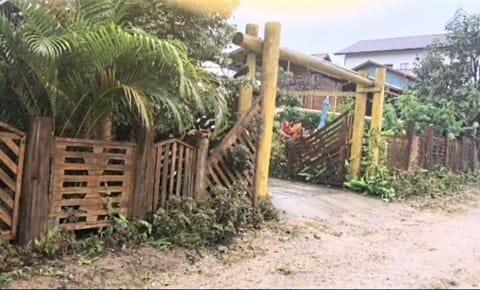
column 191, row 223
column 434, row 183
column 278, row 159
column 10, row 257
column 123, row 233
column 53, row 243
column 308, row 119
column 238, row 158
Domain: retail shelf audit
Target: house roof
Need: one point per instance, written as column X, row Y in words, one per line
column 405, row 74
column 387, row 44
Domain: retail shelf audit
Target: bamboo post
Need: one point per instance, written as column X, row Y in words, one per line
column 377, row 110
column 200, row 189
column 246, row 93
column 358, row 127
column 141, row 202
column 270, row 59
column 257, row 45
column 34, row 202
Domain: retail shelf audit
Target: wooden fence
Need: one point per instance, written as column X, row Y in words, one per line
column 12, row 147
column 324, row 152
column 412, row 152
column 78, row 184
column 244, row 134
column 87, row 175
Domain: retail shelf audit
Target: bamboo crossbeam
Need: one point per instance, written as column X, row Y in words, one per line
column 255, row 44
column 316, row 94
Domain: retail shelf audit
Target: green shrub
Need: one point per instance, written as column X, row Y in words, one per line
column 10, row 257
column 55, row 242
column 308, row 119
column 437, row 182
column 278, row 159
column 190, row 223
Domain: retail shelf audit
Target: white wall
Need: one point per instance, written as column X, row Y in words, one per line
column 394, row 57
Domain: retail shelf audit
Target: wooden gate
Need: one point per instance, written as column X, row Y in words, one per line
column 12, row 149
column 322, row 155
column 243, row 135
column 88, row 175
column 175, row 167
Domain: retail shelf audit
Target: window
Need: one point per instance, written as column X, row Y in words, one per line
column 389, row 65
column 405, row 65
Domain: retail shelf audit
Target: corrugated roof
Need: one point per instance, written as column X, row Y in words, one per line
column 398, row 43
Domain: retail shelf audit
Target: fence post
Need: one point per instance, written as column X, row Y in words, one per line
column 246, row 93
column 268, row 92
column 141, row 202
column 358, row 128
column 200, row 189
column 34, row 201
column 410, row 137
column 428, row 149
column 476, row 161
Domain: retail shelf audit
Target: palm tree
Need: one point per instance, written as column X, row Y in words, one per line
column 80, row 61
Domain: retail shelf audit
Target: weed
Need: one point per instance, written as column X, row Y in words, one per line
column 284, row 271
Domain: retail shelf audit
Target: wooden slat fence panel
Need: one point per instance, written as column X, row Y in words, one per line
column 397, row 152
column 174, row 171
column 87, row 175
column 326, row 149
column 12, row 151
column 243, row 135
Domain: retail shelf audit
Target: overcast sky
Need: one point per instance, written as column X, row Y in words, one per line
column 316, row 26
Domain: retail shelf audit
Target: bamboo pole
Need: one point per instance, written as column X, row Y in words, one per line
column 377, row 110
column 246, row 93
column 255, row 44
column 270, row 60
column 316, row 94
column 358, row 128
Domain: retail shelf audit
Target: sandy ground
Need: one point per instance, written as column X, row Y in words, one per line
column 420, row 244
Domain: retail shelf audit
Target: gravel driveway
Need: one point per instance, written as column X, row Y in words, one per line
column 389, row 245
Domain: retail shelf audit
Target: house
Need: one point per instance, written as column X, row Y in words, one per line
column 303, row 78
column 399, row 53
column 396, row 80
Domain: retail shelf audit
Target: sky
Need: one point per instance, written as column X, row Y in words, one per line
column 327, row 26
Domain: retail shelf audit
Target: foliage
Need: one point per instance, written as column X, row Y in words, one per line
column 10, row 257
column 375, row 179
column 190, row 223
column 278, row 159
column 288, row 101
column 313, row 174
column 81, row 61
column 238, row 158
column 123, row 233
column 202, row 27
column 438, row 182
column 448, row 78
column 53, row 243
column 308, row 119
column 441, row 114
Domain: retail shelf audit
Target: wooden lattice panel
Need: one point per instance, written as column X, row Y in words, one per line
column 245, row 134
column 88, row 175
column 326, row 149
column 12, row 148
column 439, row 151
column 174, row 171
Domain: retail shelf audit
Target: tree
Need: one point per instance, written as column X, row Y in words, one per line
column 447, row 90
column 78, row 61
column 202, row 25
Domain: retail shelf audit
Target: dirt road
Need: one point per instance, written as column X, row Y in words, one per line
column 390, row 246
